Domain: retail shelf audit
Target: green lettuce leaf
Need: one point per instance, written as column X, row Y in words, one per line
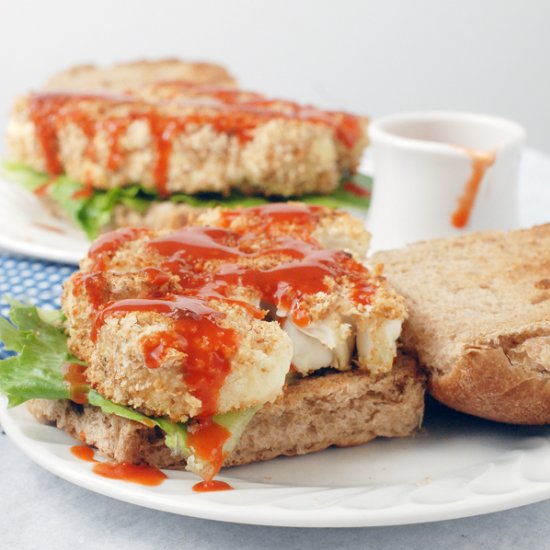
column 353, row 192
column 236, row 423
column 24, row 176
column 92, row 213
column 356, row 195
column 36, row 372
column 175, row 432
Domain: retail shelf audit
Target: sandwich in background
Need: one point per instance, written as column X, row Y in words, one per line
column 150, row 152
column 120, row 77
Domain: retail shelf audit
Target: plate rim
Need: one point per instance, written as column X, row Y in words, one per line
column 39, row 251
column 205, row 506
column 20, row 246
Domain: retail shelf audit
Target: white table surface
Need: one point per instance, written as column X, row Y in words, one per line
column 40, row 511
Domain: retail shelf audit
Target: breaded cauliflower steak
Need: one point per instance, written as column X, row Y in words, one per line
column 244, row 271
column 117, row 369
column 188, row 146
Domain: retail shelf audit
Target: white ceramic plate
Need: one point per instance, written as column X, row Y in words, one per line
column 456, row 467
column 26, row 227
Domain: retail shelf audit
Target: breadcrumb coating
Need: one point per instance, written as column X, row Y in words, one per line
column 271, row 273
column 202, row 140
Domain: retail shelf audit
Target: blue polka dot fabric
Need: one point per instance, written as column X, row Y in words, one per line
column 30, row 281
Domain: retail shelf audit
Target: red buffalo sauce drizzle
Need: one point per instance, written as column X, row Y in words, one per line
column 287, row 284
column 356, row 190
column 157, row 278
column 49, row 227
column 208, row 346
column 100, row 254
column 212, row 485
column 163, row 130
column 114, row 129
column 207, row 439
column 83, row 452
column 141, row 474
column 346, row 127
column 260, row 219
column 86, row 192
column 198, row 243
column 134, row 473
column 43, row 113
column 75, row 377
column 93, row 284
column 258, row 108
column 108, row 244
column 43, row 189
column 481, row 161
column 49, row 112
column 234, row 113
column 208, row 262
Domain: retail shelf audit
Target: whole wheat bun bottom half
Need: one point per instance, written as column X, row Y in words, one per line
column 343, row 409
column 479, row 320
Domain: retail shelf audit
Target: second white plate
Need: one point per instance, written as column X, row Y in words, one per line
column 456, row 467
column 26, row 227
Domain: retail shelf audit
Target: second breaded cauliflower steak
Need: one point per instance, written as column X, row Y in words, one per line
column 210, row 318
column 188, row 140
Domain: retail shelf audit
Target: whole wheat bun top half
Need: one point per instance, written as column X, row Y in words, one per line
column 479, row 320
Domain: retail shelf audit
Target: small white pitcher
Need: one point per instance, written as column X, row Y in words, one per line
column 442, row 173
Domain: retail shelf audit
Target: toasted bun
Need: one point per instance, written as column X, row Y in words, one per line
column 120, row 77
column 479, row 320
column 342, row 409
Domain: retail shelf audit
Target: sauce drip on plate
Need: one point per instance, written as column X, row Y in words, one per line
column 50, row 228
column 212, row 485
column 140, row 474
column 83, row 452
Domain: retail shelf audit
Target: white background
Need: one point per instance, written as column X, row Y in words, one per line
column 372, row 57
